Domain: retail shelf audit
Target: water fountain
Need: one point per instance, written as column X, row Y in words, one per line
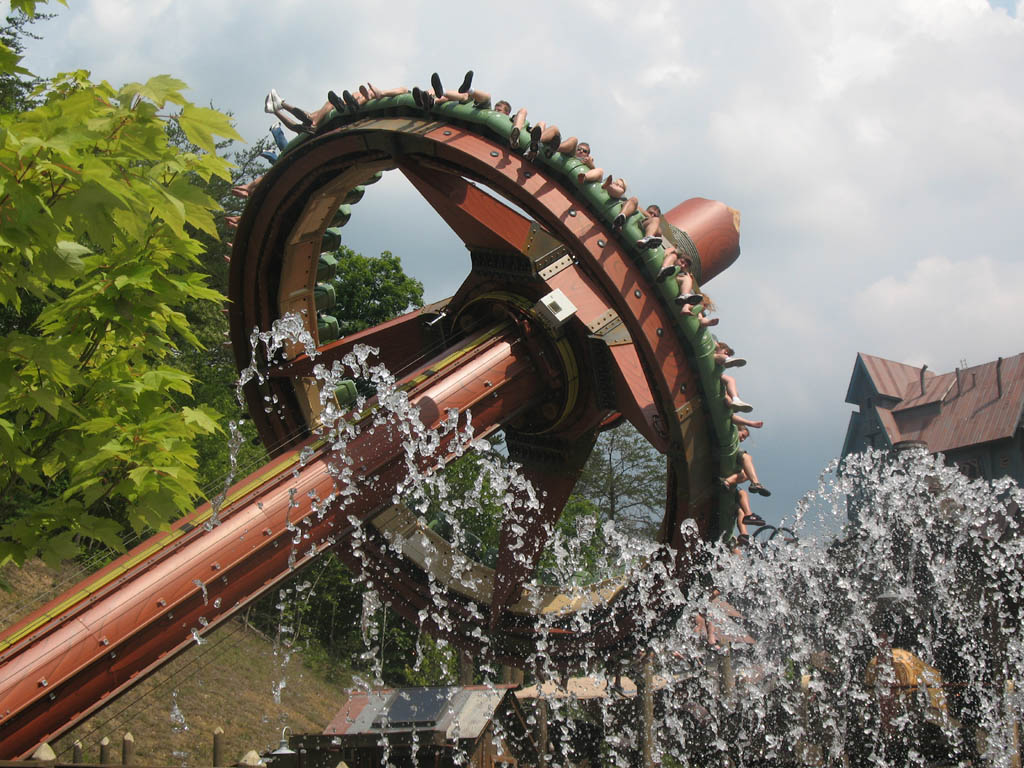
column 562, row 329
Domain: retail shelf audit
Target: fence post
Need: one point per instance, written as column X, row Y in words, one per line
column 127, row 749
column 645, row 708
column 105, row 751
column 218, row 747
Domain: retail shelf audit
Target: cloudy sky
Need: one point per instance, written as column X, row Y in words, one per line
column 874, row 147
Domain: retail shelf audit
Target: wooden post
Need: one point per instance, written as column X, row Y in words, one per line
column 127, row 749
column 105, row 750
column 512, row 675
column 645, row 705
column 542, row 727
column 76, row 752
column 466, row 668
column 218, row 747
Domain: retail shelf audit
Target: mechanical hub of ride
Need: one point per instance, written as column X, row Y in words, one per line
column 559, row 331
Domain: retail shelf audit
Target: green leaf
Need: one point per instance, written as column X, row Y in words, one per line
column 159, row 90
column 201, row 125
column 202, row 418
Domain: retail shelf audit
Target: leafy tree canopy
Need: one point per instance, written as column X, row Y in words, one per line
column 97, row 221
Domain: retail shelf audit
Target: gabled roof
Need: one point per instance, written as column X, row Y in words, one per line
column 887, row 377
column 966, row 413
column 935, row 390
column 453, row 711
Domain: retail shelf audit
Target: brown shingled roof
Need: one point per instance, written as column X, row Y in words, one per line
column 959, row 415
column 889, row 377
column 935, row 389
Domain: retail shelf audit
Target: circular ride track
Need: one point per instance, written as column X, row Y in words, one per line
column 559, row 331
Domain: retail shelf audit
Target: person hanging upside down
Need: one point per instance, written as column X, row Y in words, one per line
column 726, row 357
column 688, row 294
column 275, row 105
column 732, row 399
column 746, row 472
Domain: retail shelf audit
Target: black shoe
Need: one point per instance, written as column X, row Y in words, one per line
column 435, row 83
column 758, row 488
column 467, row 82
column 336, row 102
column 535, row 138
column 417, row 96
column 350, row 100
column 618, row 222
column 753, row 519
column 428, row 100
column 666, row 273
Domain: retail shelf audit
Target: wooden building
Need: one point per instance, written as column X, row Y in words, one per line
column 971, row 415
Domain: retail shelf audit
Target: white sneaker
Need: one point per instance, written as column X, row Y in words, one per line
column 734, row 362
column 739, row 405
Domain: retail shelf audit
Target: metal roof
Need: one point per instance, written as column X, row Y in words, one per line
column 889, row 377
column 457, row 712
column 966, row 406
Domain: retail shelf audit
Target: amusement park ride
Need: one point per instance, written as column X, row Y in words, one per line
column 559, row 331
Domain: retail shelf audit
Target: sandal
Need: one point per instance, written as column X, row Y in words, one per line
column 753, row 519
column 758, row 488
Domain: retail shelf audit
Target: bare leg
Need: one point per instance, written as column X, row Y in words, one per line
column 319, row 116
column 290, row 124
column 518, row 124
column 742, row 511
column 740, row 421
column 628, row 209
column 685, row 281
column 748, row 468
column 615, row 188
column 594, row 174
column 550, row 136
column 730, row 387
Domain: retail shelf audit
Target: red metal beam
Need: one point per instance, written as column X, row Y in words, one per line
column 479, row 219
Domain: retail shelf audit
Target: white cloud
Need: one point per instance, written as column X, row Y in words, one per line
column 872, row 146
column 946, row 309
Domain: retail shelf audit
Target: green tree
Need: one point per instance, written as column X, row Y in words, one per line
column 96, row 215
column 624, row 481
column 372, row 290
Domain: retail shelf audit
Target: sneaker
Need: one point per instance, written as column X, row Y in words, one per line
column 337, row 102
column 739, row 405
column 666, row 273
column 435, row 83
column 618, row 222
column 734, row 362
column 467, row 82
column 650, row 241
column 758, row 488
column 350, row 100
